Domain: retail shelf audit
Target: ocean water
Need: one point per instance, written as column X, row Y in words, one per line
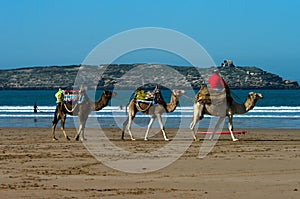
column 280, row 109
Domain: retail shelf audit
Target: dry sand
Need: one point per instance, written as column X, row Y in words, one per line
column 262, row 164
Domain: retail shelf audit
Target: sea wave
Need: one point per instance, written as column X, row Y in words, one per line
column 184, row 112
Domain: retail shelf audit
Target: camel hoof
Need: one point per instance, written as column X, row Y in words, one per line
column 76, row 138
column 83, row 139
column 67, row 138
column 235, row 139
column 167, row 139
column 133, row 139
column 54, row 139
column 146, row 139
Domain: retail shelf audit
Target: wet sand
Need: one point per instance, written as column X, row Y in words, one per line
column 262, row 164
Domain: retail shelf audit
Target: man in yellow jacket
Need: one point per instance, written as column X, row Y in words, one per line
column 59, row 99
column 59, row 96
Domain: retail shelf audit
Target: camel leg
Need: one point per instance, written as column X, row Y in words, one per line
column 80, row 131
column 230, row 128
column 62, row 126
column 54, row 123
column 128, row 122
column 159, row 119
column 58, row 115
column 82, row 134
column 127, row 125
column 130, row 119
column 149, row 126
column 196, row 118
column 124, row 127
column 221, row 119
column 192, row 127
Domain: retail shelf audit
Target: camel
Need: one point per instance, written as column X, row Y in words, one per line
column 82, row 111
column 154, row 110
column 212, row 109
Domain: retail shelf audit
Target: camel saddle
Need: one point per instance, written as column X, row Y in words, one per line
column 208, row 96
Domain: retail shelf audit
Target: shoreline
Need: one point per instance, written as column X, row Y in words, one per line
column 264, row 163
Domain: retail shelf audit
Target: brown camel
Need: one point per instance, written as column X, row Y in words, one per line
column 82, row 111
column 229, row 110
column 154, row 110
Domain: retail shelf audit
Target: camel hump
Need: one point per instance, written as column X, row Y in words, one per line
column 203, row 96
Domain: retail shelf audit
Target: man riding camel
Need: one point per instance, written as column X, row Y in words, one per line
column 217, row 83
column 59, row 100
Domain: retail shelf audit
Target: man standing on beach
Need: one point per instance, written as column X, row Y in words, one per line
column 35, row 108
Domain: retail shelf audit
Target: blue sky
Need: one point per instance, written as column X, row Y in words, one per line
column 259, row 33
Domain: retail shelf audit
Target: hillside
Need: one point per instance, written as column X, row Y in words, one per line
column 129, row 76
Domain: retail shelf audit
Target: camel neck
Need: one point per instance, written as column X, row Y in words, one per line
column 249, row 104
column 102, row 102
column 171, row 106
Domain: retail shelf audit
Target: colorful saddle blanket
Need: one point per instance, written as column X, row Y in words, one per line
column 208, row 96
column 71, row 96
column 143, row 95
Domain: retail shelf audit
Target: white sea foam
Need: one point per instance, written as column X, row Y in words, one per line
column 180, row 112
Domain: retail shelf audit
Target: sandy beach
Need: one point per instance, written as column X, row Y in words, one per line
column 262, row 164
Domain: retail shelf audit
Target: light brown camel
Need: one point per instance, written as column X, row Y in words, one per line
column 229, row 110
column 155, row 111
column 82, row 111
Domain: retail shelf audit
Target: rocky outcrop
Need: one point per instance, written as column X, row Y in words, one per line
column 129, row 76
column 254, row 78
column 38, row 77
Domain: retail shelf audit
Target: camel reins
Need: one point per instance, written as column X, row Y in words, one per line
column 140, row 109
column 70, row 111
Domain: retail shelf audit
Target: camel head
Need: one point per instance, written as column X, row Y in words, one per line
column 103, row 101
column 178, row 93
column 255, row 96
column 109, row 94
column 252, row 99
column 174, row 100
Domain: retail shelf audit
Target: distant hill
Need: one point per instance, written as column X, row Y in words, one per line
column 129, row 76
